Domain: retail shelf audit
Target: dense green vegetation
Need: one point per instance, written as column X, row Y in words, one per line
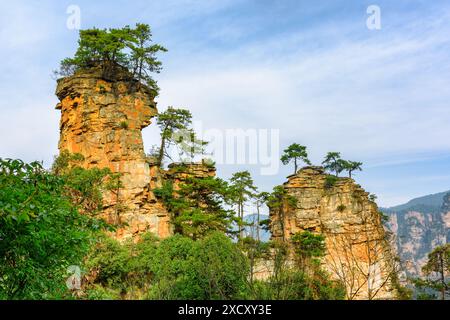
column 130, row 48
column 48, row 223
column 175, row 268
column 41, row 229
column 198, row 206
column 210, row 268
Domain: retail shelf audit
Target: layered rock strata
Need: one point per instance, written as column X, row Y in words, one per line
column 358, row 251
column 102, row 120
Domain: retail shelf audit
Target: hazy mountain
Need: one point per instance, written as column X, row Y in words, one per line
column 430, row 201
column 419, row 226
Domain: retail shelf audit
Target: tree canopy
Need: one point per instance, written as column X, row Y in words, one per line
column 131, row 48
column 436, row 271
column 176, row 130
column 334, row 163
column 296, row 153
column 242, row 189
column 41, row 229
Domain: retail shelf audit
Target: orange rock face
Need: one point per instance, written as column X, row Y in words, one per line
column 102, row 120
column 358, row 251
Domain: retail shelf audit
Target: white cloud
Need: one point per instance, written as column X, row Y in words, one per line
column 364, row 97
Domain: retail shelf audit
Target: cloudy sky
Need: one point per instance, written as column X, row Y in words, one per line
column 311, row 69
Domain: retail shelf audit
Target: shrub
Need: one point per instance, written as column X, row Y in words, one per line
column 124, row 125
column 126, row 269
column 211, row 268
column 330, row 181
column 41, row 232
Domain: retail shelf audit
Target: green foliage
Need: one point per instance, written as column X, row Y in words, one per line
column 84, row 186
column 279, row 197
column 166, row 194
column 197, row 206
column 65, row 161
column 128, row 47
column 341, row 208
column 242, row 186
column 175, row 268
column 438, row 260
column 330, row 181
column 384, row 217
column 265, row 224
column 190, row 145
column 308, row 245
column 176, row 130
column 143, row 59
column 242, row 189
column 289, row 282
column 98, row 292
column 402, row 291
column 351, row 166
column 257, row 249
column 373, row 197
column 211, row 268
column 294, row 285
column 124, row 124
column 121, row 269
column 41, row 232
column 295, row 152
column 436, row 270
column 333, row 162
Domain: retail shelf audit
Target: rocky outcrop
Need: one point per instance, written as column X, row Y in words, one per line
column 446, row 216
column 418, row 228
column 102, row 116
column 178, row 173
column 102, row 120
column 358, row 252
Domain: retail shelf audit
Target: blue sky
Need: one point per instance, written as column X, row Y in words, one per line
column 309, row 68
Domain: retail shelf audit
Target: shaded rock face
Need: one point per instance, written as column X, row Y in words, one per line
column 418, row 229
column 358, row 252
column 446, row 216
column 102, row 120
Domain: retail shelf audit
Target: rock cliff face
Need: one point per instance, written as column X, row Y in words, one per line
column 358, row 253
column 102, row 120
column 419, row 227
column 446, row 215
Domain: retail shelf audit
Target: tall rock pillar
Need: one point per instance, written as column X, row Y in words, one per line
column 358, row 251
column 102, row 120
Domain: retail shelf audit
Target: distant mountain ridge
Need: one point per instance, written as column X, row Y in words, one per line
column 433, row 200
column 419, row 226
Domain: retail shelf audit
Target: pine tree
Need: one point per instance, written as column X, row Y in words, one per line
column 296, row 153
